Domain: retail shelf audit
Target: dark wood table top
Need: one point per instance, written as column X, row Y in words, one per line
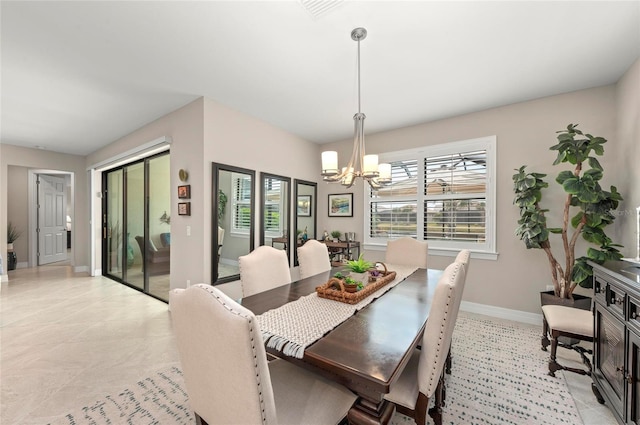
column 369, row 350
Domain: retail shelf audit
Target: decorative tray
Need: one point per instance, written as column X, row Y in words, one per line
column 335, row 289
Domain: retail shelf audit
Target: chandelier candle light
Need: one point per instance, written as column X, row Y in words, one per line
column 360, row 165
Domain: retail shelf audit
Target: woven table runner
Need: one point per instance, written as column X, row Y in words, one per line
column 291, row 328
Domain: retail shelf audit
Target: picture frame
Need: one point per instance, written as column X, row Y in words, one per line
column 340, row 205
column 184, row 191
column 184, row 208
column 304, row 205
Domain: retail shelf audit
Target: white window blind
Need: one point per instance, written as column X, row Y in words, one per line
column 444, row 194
column 273, row 207
column 455, row 188
column 241, row 202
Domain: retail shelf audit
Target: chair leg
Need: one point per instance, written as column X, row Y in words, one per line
column 436, row 411
column 553, row 364
column 544, row 341
column 420, row 414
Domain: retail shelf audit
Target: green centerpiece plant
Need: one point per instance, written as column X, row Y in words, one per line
column 586, row 210
column 360, row 269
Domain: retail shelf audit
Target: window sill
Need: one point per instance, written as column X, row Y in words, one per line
column 442, row 252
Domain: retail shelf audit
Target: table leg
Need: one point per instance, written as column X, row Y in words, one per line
column 365, row 412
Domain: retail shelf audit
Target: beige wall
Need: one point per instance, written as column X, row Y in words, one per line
column 205, row 131
column 18, row 208
column 32, row 159
column 184, row 127
column 626, row 168
column 524, row 131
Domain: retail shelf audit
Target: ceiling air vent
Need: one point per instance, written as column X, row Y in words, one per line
column 318, row 8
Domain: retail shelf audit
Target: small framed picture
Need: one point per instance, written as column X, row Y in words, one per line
column 184, row 192
column 341, row 205
column 304, row 205
column 184, row 208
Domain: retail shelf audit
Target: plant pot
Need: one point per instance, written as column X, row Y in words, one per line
column 578, row 301
column 10, row 247
column 360, row 277
column 12, row 260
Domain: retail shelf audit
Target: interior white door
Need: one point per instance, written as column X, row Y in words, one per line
column 52, row 235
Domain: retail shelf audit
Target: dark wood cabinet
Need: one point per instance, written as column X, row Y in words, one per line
column 616, row 355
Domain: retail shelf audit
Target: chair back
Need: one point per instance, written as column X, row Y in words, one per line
column 262, row 269
column 464, row 257
column 222, row 356
column 407, row 251
column 313, row 258
column 439, row 329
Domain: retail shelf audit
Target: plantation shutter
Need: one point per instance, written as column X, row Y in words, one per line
column 241, row 202
column 455, row 197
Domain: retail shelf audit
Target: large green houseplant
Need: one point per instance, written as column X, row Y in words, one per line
column 587, row 209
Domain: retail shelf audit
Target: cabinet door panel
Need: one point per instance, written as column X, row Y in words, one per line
column 633, row 400
column 609, row 357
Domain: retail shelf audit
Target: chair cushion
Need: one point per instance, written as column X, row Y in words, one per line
column 404, row 391
column 569, row 319
column 303, row 397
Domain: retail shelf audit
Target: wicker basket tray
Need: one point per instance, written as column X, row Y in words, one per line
column 346, row 295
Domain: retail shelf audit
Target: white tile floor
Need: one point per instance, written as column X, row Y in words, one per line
column 68, row 340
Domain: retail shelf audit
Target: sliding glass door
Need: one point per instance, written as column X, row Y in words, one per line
column 137, row 225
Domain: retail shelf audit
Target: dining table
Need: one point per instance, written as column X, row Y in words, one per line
column 368, row 351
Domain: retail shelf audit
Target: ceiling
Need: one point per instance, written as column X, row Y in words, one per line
column 78, row 75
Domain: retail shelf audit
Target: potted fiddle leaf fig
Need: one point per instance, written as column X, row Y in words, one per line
column 586, row 210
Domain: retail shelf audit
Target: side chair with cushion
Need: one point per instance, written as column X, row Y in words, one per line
column 574, row 323
column 422, row 378
column 226, row 373
column 262, row 269
column 313, row 258
column 407, row 251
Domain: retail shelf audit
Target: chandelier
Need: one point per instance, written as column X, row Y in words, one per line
column 360, row 165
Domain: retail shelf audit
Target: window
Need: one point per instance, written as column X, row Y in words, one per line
column 273, row 207
column 241, row 202
column 444, row 194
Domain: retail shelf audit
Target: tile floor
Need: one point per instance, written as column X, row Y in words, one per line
column 67, row 340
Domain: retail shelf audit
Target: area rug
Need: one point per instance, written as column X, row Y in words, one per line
column 499, row 376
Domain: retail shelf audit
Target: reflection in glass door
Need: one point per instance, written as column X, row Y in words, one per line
column 159, row 226
column 137, row 239
column 135, row 223
column 114, row 224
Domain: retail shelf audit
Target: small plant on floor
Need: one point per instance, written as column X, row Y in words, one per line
column 593, row 210
column 12, row 233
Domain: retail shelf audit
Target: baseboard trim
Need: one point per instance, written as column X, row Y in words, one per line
column 80, row 269
column 502, row 313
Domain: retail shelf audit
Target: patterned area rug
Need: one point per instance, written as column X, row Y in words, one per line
column 499, row 376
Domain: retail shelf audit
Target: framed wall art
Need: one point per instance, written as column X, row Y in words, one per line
column 184, row 192
column 184, row 208
column 341, row 205
column 304, row 205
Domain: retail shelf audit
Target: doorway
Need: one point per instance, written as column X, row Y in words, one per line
column 136, row 237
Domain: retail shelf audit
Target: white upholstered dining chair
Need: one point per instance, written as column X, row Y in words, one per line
column 407, row 251
column 422, row 378
column 262, row 269
column 313, row 258
column 226, row 373
column 463, row 257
